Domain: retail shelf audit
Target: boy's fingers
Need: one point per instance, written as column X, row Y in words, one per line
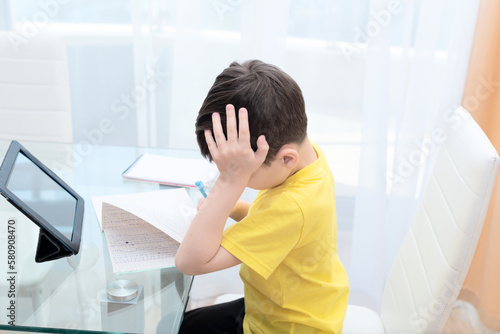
column 232, row 132
column 244, row 132
column 212, row 146
column 262, row 148
column 220, row 139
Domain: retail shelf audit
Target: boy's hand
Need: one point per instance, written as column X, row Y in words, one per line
column 234, row 156
column 200, row 251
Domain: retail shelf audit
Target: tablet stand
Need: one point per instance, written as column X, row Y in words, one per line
column 49, row 248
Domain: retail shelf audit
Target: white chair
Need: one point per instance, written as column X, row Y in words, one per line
column 435, row 256
column 35, row 100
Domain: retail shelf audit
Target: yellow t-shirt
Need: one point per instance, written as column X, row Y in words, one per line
column 293, row 278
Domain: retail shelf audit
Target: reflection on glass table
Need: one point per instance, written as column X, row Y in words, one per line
column 70, row 293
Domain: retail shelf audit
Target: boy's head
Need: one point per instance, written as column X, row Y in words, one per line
column 273, row 99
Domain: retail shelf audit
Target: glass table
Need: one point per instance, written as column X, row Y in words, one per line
column 69, row 294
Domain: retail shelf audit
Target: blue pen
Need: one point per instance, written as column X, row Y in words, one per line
column 201, row 188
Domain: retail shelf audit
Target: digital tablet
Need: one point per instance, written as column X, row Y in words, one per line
column 44, row 198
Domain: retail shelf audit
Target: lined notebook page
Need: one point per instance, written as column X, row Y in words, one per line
column 144, row 230
column 134, row 244
column 173, row 171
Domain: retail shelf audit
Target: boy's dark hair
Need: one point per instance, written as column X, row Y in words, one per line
column 273, row 99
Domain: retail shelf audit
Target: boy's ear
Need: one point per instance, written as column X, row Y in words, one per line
column 289, row 157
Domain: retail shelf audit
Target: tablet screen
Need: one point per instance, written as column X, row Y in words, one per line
column 43, row 194
column 46, row 199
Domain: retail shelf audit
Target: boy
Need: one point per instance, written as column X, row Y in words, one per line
column 285, row 241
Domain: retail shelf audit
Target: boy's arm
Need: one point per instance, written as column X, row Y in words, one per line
column 240, row 210
column 201, row 251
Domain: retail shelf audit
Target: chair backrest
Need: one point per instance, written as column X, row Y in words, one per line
column 35, row 100
column 435, row 256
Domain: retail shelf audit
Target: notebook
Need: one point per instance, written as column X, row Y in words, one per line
column 171, row 171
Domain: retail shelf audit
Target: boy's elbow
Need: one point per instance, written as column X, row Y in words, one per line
column 181, row 264
column 185, row 266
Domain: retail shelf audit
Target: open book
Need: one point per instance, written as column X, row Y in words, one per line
column 144, row 230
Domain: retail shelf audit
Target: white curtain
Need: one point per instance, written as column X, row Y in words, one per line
column 412, row 83
column 379, row 78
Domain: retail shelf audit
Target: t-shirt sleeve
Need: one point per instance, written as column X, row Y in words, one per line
column 265, row 237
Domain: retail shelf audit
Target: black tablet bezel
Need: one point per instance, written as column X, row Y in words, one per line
column 14, row 150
